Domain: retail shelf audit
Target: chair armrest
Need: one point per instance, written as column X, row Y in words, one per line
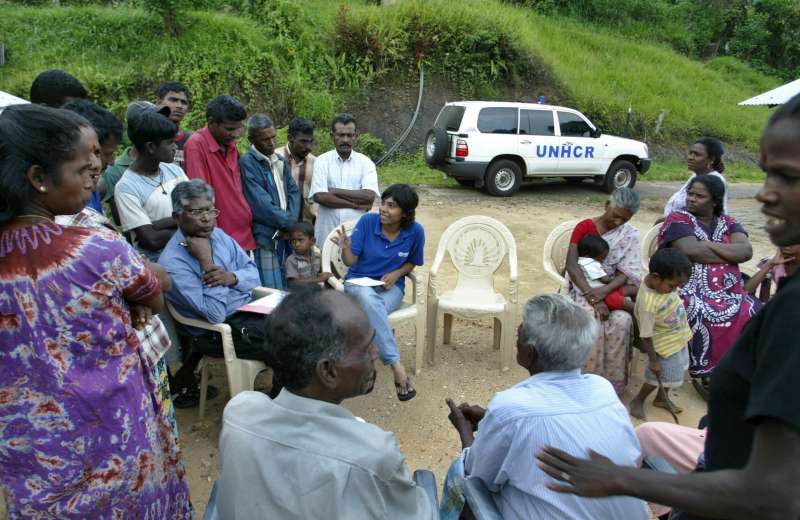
column 222, row 328
column 425, row 479
column 336, row 283
column 417, row 294
column 512, row 276
column 480, row 500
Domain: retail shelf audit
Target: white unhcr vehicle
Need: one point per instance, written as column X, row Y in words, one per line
column 499, row 145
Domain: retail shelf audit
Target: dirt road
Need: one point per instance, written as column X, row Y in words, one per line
column 467, row 370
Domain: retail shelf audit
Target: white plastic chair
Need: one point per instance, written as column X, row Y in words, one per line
column 477, row 246
column 554, row 257
column 241, row 372
column 648, row 246
column 414, row 311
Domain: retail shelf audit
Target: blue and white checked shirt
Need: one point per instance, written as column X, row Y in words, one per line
column 568, row 410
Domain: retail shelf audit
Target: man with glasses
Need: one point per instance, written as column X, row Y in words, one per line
column 210, row 155
column 212, row 276
column 345, row 182
column 302, row 455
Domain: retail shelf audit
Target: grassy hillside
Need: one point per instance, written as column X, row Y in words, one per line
column 306, row 58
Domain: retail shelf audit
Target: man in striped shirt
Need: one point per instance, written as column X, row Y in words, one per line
column 555, row 406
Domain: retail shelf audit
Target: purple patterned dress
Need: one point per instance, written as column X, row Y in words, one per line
column 81, row 433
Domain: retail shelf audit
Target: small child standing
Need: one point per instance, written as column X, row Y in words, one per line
column 663, row 327
column 592, row 250
column 304, row 264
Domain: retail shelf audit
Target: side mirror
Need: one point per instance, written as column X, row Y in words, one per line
column 597, row 132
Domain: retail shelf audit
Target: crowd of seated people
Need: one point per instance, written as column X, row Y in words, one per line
column 92, row 245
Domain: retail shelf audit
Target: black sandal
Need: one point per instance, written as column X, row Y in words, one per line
column 410, row 392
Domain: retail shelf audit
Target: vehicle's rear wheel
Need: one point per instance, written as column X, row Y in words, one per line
column 574, row 180
column 621, row 174
column 469, row 183
column 436, row 146
column 503, row 178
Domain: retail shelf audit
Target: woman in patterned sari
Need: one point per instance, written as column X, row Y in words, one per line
column 82, row 434
column 610, row 355
column 717, row 305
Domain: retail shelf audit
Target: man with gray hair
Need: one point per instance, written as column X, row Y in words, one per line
column 212, row 276
column 302, row 456
column 556, row 406
column 272, row 194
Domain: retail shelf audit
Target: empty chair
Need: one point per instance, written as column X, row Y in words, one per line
column 476, row 246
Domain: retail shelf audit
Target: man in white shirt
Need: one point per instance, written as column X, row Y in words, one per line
column 557, row 406
column 345, row 182
column 303, row 456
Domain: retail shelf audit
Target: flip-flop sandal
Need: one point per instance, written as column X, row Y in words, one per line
column 410, row 392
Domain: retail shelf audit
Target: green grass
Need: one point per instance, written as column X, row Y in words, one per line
column 671, row 170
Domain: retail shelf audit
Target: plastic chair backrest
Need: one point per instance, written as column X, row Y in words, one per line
column 649, row 246
column 332, row 257
column 477, row 246
column 554, row 257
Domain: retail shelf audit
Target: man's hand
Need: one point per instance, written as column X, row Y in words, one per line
column 389, row 279
column 199, row 247
column 140, row 315
column 461, row 423
column 473, row 413
column 218, row 276
column 593, row 477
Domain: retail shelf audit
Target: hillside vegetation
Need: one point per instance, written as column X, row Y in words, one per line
column 306, row 58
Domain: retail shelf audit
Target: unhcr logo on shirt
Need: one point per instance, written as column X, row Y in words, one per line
column 403, row 254
column 566, row 151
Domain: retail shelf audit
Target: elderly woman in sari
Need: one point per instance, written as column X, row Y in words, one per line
column 610, row 355
column 717, row 305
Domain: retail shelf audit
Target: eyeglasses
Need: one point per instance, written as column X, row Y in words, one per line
column 211, row 212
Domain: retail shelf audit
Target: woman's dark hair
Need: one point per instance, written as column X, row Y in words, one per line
column 670, row 263
column 33, row 135
column 104, row 122
column 298, row 125
column 149, row 126
column 405, row 197
column 53, row 87
column 225, row 108
column 301, row 332
column 715, row 151
column 790, row 109
column 715, row 188
column 592, row 246
column 172, row 86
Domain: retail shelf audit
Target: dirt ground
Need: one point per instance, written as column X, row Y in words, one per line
column 466, row 370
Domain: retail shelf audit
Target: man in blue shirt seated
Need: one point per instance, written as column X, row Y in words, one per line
column 212, row 277
column 557, row 406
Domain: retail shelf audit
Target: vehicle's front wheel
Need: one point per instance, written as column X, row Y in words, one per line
column 621, row 174
column 503, row 178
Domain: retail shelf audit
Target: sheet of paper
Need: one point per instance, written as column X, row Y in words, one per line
column 266, row 304
column 365, row 282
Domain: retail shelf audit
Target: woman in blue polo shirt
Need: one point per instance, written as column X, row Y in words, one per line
column 385, row 246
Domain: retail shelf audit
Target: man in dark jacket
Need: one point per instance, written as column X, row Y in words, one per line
column 273, row 197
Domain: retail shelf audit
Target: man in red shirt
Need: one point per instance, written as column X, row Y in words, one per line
column 210, row 155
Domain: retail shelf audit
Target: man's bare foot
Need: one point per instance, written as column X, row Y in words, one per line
column 661, row 404
column 636, row 409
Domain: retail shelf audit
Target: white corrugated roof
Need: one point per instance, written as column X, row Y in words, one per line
column 776, row 96
column 7, row 99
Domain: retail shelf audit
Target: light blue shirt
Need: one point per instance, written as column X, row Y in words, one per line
column 568, row 410
column 194, row 299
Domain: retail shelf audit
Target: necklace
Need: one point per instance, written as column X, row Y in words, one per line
column 160, row 183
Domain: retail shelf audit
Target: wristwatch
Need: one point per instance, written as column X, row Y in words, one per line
column 235, row 280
